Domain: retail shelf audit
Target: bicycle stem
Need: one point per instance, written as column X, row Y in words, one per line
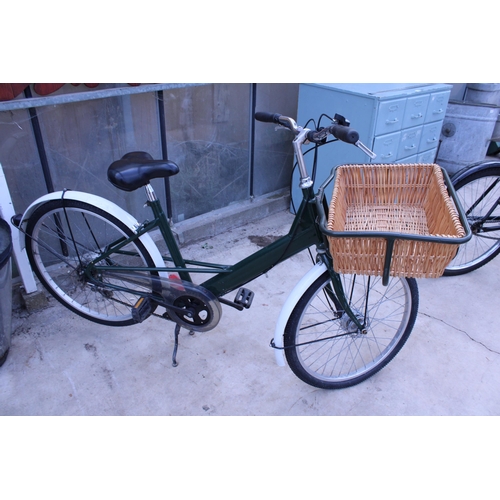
column 300, row 139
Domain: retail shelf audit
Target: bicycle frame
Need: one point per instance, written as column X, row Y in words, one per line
column 303, row 234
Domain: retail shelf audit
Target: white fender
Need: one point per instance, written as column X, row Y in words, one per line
column 106, row 205
column 306, row 281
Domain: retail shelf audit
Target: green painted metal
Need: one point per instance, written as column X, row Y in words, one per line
column 302, row 235
column 168, row 237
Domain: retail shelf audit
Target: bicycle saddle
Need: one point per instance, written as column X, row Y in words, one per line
column 136, row 169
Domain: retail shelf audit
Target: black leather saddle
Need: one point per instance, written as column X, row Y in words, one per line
column 136, row 169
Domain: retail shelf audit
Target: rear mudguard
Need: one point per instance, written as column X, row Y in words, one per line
column 290, row 303
column 98, row 202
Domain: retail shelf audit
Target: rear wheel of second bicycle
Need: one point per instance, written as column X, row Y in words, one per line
column 479, row 195
column 323, row 346
column 63, row 237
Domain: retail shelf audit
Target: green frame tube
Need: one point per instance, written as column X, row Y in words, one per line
column 302, row 235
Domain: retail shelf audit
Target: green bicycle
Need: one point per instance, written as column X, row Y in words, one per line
column 334, row 330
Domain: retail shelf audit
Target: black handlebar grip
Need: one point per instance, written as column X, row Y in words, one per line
column 345, row 134
column 263, row 116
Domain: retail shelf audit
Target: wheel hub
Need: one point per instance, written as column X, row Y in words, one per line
column 96, row 276
column 348, row 324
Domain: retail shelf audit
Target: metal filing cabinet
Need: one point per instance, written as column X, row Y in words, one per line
column 401, row 123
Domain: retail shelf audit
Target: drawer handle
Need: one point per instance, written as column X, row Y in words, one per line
column 416, row 117
column 437, row 111
column 390, row 122
column 434, row 139
column 386, row 156
column 408, row 148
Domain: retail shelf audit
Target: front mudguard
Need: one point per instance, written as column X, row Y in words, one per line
column 300, row 288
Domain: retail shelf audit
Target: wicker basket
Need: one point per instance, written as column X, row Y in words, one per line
column 397, row 201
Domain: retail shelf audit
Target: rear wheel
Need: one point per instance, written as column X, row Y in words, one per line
column 63, row 237
column 479, row 195
column 322, row 344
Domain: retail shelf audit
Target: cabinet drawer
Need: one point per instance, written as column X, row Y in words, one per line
column 415, row 111
column 430, row 136
column 437, row 106
column 409, row 142
column 386, row 148
column 410, row 159
column 427, row 156
column 390, row 116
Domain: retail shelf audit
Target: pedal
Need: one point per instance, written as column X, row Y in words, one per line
column 142, row 309
column 244, row 297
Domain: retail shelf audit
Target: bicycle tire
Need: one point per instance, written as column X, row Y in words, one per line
column 82, row 231
column 318, row 346
column 482, row 247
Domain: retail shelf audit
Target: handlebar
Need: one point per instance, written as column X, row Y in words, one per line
column 263, row 116
column 303, row 135
column 341, row 132
column 337, row 129
column 345, row 134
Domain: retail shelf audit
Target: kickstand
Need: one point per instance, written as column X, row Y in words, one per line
column 176, row 345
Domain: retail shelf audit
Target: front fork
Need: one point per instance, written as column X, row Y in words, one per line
column 339, row 299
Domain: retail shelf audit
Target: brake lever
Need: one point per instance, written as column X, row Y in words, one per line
column 365, row 150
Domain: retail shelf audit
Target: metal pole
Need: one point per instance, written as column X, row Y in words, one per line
column 39, row 144
column 163, row 138
column 253, row 102
column 37, row 102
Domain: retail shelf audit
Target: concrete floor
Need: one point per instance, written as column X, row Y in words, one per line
column 61, row 364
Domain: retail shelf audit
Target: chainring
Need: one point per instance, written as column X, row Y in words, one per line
column 190, row 306
column 200, row 313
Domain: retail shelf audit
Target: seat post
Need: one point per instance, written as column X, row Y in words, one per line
column 166, row 232
column 150, row 193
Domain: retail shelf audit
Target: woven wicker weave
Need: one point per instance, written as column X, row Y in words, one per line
column 410, row 199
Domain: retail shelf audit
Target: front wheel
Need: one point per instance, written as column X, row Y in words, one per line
column 323, row 346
